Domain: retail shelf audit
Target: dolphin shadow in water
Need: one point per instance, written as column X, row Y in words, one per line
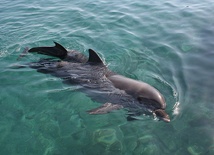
column 99, row 83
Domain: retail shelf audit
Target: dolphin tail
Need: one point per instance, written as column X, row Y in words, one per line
column 56, row 51
column 105, row 108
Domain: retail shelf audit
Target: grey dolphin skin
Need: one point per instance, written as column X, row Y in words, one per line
column 98, row 82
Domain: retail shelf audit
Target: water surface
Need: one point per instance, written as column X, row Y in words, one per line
column 168, row 44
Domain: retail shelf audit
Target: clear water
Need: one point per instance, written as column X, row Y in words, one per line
column 168, row 44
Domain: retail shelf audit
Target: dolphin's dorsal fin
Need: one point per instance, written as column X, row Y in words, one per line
column 57, row 45
column 94, row 57
column 56, row 51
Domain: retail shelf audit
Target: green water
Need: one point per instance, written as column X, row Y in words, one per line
column 168, row 44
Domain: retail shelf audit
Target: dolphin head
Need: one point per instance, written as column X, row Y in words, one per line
column 152, row 101
column 161, row 114
column 147, row 94
column 157, row 107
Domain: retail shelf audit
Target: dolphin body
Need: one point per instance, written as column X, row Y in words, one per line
column 101, row 84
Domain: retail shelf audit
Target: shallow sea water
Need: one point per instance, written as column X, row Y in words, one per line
column 168, row 44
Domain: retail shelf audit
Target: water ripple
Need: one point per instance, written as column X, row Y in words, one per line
column 166, row 44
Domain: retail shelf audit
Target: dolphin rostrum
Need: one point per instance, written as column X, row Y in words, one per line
column 99, row 83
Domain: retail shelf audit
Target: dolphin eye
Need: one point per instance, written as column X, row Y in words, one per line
column 140, row 99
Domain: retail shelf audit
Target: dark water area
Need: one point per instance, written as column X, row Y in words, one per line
column 168, row 44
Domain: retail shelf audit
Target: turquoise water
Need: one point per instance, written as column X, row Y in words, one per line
column 168, row 44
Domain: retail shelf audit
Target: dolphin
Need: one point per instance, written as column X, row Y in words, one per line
column 101, row 84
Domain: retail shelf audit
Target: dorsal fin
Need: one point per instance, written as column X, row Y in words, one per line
column 56, row 51
column 57, row 45
column 94, row 57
